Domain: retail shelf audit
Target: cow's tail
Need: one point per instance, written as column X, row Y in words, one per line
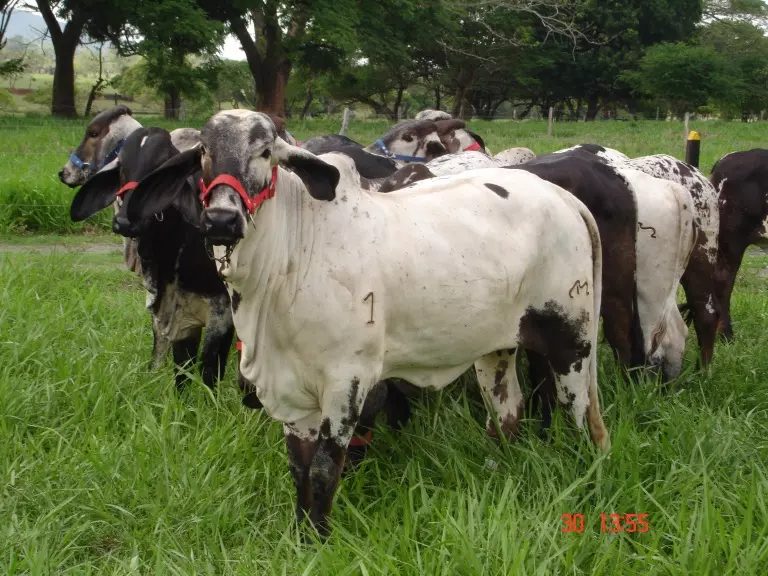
column 597, row 428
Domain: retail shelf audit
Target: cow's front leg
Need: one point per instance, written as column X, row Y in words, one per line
column 160, row 346
column 184, row 355
column 301, row 441
column 218, row 340
column 342, row 406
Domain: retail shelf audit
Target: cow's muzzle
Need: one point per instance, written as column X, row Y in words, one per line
column 221, row 226
column 435, row 149
column 121, row 225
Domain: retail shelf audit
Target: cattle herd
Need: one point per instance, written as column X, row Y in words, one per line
column 353, row 274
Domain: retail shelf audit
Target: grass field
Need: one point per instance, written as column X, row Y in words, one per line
column 104, row 469
column 35, row 148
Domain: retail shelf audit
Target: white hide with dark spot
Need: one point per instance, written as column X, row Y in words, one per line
column 434, row 115
column 305, row 269
column 608, row 155
column 703, row 193
column 459, row 162
column 514, row 156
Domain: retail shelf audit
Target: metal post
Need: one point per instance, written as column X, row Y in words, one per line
column 693, row 148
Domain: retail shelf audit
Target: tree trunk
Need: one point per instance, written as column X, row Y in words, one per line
column 271, row 89
column 396, row 107
column 63, row 101
column 593, row 107
column 172, row 103
column 437, row 97
column 307, row 102
column 95, row 89
column 64, row 44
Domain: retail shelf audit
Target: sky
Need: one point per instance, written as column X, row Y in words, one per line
column 28, row 24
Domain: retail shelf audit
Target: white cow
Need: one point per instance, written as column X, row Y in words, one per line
column 339, row 288
column 665, row 239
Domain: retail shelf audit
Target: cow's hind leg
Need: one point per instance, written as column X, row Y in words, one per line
column 543, row 393
column 579, row 394
column 184, row 356
column 218, row 340
column 500, row 388
column 567, row 339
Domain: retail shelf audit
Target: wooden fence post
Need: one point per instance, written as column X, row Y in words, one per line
column 551, row 120
column 345, row 121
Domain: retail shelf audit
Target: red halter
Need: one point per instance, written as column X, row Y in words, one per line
column 251, row 203
column 474, row 146
column 126, row 187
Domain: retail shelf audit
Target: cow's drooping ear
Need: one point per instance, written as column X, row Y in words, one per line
column 320, row 178
column 446, row 126
column 97, row 193
column 158, row 190
column 187, row 203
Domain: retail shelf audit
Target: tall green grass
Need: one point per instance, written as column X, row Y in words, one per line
column 35, row 148
column 104, row 469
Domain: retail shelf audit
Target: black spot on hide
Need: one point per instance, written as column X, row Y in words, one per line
column 503, row 192
column 349, row 421
column 235, row 301
column 552, row 333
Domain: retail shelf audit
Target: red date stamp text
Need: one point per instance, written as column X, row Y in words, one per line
column 609, row 523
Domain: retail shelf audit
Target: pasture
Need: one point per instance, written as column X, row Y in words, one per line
column 105, row 469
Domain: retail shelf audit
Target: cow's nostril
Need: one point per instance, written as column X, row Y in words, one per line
column 121, row 225
column 222, row 226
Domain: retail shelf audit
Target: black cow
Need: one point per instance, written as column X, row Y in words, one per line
column 185, row 291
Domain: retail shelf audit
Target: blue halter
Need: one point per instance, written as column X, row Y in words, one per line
column 82, row 165
column 383, row 148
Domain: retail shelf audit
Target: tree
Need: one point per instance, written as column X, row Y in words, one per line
column 169, row 35
column 65, row 41
column 272, row 34
column 12, row 66
column 745, row 47
column 234, row 84
column 736, row 10
column 682, row 75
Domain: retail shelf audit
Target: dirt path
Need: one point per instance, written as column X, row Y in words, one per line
column 88, row 248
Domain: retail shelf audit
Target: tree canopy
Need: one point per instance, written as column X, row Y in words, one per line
column 473, row 57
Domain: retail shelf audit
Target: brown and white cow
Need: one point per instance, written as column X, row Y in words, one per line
column 456, row 139
column 741, row 179
column 406, row 142
column 339, row 288
column 699, row 276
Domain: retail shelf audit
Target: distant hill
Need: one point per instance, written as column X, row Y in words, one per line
column 28, row 25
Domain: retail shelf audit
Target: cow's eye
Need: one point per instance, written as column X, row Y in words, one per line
column 93, row 133
column 408, row 137
column 266, row 153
